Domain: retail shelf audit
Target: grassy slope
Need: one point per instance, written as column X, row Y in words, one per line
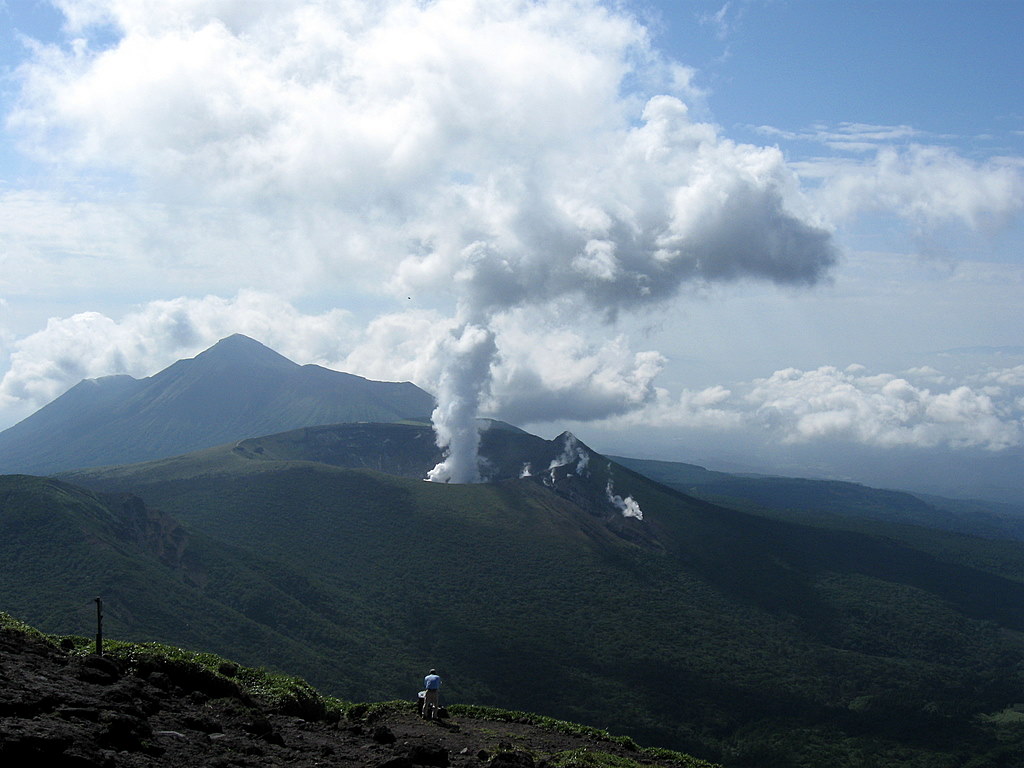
column 742, row 619
column 276, row 692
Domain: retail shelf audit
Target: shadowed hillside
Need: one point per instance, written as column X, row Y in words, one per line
column 741, row 639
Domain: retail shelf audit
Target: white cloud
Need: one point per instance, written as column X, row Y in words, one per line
column 723, row 21
column 882, row 410
column 545, row 373
column 909, row 173
column 418, row 143
column 830, row 406
column 929, row 186
column 854, row 137
column 713, row 408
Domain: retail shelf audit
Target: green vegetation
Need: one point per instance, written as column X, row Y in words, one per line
column 11, row 623
column 217, row 675
column 541, row 721
column 208, row 672
column 586, row 758
column 741, row 639
column 582, row 756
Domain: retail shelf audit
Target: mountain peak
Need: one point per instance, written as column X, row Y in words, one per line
column 238, row 349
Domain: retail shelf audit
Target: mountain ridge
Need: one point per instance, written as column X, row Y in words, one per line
column 236, row 389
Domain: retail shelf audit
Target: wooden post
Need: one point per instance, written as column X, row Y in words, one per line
column 99, row 626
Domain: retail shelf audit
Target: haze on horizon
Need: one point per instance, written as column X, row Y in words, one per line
column 787, row 236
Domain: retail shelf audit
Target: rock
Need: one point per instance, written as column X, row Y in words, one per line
column 98, row 669
column 201, row 723
column 516, row 759
column 79, row 713
column 160, row 680
column 382, row 735
column 275, row 738
column 123, row 732
column 424, row 754
column 258, row 725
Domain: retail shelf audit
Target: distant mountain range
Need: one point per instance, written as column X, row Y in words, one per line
column 236, row 389
column 834, row 503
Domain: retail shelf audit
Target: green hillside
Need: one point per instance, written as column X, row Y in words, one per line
column 61, row 546
column 745, row 640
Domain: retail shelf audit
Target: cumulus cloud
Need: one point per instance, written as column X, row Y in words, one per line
column 906, row 172
column 549, row 372
column 487, row 153
column 882, row 410
column 1009, row 377
column 715, row 408
column 488, row 139
column 921, row 408
column 929, row 186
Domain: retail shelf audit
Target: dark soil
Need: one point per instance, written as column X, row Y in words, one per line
column 78, row 712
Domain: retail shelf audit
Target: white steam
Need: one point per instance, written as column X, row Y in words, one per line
column 572, row 452
column 627, row 506
column 469, row 353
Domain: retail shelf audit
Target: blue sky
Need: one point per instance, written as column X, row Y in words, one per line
column 783, row 235
column 940, row 66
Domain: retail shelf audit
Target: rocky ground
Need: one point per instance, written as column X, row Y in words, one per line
column 87, row 711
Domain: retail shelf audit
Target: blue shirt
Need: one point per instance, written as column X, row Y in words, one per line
column 431, row 682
